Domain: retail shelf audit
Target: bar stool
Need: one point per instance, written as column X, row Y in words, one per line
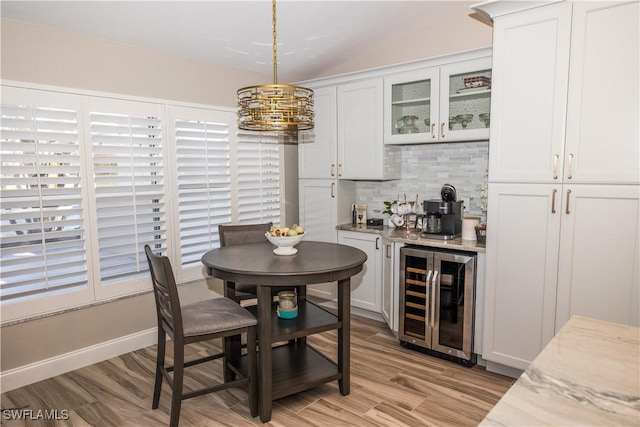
column 191, row 323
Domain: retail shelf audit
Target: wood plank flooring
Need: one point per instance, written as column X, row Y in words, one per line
column 390, row 386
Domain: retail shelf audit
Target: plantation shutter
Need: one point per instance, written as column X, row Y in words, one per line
column 41, row 226
column 203, row 179
column 258, row 175
column 126, row 139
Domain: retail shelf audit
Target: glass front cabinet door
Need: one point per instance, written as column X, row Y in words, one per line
column 411, row 107
column 439, row 104
column 465, row 100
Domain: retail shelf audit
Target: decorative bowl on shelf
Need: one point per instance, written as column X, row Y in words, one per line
column 285, row 245
column 485, row 118
column 464, row 119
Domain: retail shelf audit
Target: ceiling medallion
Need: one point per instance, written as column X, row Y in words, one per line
column 275, row 107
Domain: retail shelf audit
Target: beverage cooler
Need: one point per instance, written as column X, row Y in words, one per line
column 437, row 298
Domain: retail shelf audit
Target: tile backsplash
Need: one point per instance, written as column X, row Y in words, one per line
column 425, row 169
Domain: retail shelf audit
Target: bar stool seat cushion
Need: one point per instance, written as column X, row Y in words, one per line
column 214, row 315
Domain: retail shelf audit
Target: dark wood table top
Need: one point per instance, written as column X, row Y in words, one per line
column 255, row 263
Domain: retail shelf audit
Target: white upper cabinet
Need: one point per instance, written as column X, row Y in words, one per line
column 361, row 151
column 552, row 122
column 439, row 104
column 602, row 140
column 346, row 142
column 529, row 95
column 318, row 148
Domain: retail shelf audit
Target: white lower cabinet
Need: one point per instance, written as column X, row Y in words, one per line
column 556, row 251
column 324, row 203
column 366, row 286
column 599, row 254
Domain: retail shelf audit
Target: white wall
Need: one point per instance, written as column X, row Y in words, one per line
column 31, row 53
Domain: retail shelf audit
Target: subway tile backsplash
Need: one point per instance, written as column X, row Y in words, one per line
column 425, row 169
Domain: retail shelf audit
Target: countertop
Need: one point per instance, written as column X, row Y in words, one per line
column 588, row 375
column 413, row 237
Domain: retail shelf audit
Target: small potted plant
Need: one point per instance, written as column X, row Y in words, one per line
column 389, row 211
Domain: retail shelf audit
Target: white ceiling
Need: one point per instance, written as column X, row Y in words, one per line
column 311, row 35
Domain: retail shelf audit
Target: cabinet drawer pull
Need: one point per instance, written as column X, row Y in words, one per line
column 553, row 200
column 555, row 165
column 377, row 243
column 567, row 211
column 569, row 173
column 333, row 171
column 333, row 188
column 442, row 129
column 339, row 169
column 433, row 130
column 388, row 251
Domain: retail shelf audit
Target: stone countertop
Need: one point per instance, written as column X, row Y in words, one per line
column 588, row 375
column 412, row 237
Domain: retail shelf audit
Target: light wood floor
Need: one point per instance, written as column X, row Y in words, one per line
column 390, row 386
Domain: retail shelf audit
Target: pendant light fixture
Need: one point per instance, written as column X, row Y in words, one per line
column 276, row 107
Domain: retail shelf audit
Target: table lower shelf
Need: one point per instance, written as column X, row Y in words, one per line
column 298, row 367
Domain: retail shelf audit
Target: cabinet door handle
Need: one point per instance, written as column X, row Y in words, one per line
column 553, row 200
column 333, row 169
column 388, row 251
column 333, row 190
column 433, row 130
column 377, row 243
column 569, row 173
column 339, row 169
column 567, row 211
column 433, row 298
column 442, row 129
column 555, row 165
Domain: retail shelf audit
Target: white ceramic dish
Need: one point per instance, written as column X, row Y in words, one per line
column 285, row 245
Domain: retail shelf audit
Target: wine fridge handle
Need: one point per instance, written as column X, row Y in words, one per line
column 427, row 301
column 434, row 280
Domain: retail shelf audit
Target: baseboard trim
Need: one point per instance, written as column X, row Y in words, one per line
column 48, row 368
column 503, row 370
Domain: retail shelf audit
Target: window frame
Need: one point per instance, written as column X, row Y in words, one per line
column 96, row 293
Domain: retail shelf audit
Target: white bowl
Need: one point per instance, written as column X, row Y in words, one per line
column 285, row 245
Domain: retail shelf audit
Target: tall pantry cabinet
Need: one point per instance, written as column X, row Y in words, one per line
column 564, row 157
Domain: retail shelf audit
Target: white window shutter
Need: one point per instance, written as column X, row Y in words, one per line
column 41, row 227
column 128, row 173
column 203, row 179
column 258, row 177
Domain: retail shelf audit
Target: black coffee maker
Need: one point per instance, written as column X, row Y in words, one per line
column 443, row 218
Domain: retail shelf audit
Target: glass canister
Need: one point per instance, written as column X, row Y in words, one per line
column 286, row 300
column 287, row 305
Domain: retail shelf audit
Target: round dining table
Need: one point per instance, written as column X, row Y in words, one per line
column 294, row 366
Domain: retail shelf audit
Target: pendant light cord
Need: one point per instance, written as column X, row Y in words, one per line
column 275, row 47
